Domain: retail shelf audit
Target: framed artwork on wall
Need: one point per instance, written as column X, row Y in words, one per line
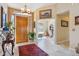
column 43, row 14
column 77, row 20
column 64, row 23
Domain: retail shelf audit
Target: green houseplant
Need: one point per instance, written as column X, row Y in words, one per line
column 9, row 25
column 31, row 36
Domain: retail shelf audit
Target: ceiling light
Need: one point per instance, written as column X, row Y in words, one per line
column 25, row 11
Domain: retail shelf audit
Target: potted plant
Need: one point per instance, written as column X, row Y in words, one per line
column 9, row 26
column 31, row 36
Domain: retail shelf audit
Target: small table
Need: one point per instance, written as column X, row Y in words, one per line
column 8, row 40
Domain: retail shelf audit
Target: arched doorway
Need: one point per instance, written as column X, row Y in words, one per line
column 62, row 28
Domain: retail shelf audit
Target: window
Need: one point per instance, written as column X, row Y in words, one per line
column 4, row 19
column 13, row 20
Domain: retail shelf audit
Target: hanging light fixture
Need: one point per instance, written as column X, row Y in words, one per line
column 25, row 11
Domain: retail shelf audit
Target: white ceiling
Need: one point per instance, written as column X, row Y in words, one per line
column 32, row 6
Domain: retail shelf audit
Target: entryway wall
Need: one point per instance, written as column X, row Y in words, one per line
column 51, row 20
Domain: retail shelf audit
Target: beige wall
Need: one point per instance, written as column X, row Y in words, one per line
column 0, row 16
column 60, row 8
column 74, row 35
column 52, row 20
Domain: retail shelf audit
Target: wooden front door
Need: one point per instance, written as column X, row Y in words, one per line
column 21, row 29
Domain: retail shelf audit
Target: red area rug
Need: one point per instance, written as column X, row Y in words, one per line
column 31, row 50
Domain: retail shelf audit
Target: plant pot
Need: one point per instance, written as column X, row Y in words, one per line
column 31, row 40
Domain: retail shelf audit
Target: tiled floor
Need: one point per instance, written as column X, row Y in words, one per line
column 49, row 47
column 52, row 49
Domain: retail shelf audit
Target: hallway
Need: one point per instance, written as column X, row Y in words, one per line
column 43, row 23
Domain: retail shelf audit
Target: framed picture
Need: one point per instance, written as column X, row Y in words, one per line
column 64, row 23
column 77, row 20
column 43, row 14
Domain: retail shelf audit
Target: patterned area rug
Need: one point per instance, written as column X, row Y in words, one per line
column 31, row 50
